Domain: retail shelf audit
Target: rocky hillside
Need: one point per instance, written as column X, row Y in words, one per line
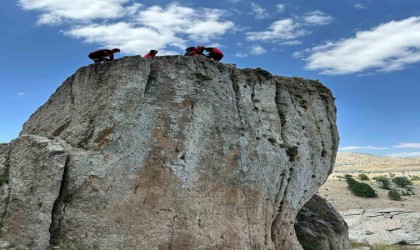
column 356, row 161
column 173, row 153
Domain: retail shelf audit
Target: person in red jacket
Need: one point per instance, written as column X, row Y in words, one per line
column 194, row 51
column 103, row 55
column 214, row 53
column 151, row 54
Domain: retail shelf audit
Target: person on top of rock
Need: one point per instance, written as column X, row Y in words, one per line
column 194, row 51
column 103, row 55
column 214, row 53
column 151, row 54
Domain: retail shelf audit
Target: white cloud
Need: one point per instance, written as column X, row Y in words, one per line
column 258, row 50
column 362, row 148
column 317, row 18
column 290, row 29
column 388, row 47
column 55, row 11
column 405, row 154
column 125, row 36
column 361, row 6
column 280, row 7
column 132, row 27
column 285, row 29
column 407, row 145
column 240, row 55
column 292, row 42
column 22, row 94
column 258, row 11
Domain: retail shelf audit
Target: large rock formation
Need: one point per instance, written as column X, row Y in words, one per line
column 170, row 153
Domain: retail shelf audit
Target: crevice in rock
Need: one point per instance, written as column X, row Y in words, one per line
column 71, row 92
column 235, row 85
column 59, row 207
column 393, row 229
column 280, row 110
column 150, row 79
column 279, row 211
column 253, row 97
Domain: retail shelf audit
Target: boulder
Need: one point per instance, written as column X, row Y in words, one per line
column 170, row 153
column 320, row 226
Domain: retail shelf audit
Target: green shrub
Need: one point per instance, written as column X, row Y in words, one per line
column 362, row 190
column 363, row 177
column 380, row 178
column 350, row 181
column 409, row 191
column 386, row 182
column 355, row 244
column 394, row 195
column 4, row 179
column 401, row 181
column 415, row 178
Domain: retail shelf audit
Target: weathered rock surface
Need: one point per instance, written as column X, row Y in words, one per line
column 319, row 226
column 4, row 178
column 3, row 155
column 170, row 153
column 35, row 176
column 384, row 226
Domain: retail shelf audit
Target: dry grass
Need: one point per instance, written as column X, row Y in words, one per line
column 337, row 193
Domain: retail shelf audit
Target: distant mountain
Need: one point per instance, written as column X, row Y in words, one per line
column 354, row 161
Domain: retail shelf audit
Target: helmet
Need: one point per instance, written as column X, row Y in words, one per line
column 116, row 50
column 153, row 51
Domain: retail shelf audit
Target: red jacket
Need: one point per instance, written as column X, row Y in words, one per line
column 215, row 51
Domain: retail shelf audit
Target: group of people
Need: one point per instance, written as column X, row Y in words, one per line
column 105, row 55
column 213, row 53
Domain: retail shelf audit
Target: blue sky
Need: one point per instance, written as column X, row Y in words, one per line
column 367, row 52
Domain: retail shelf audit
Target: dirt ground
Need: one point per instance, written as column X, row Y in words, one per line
column 336, row 191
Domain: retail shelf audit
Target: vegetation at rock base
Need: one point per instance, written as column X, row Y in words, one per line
column 355, row 244
column 4, row 179
column 402, row 181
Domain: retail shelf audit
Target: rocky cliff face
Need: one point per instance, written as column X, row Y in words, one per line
column 170, row 153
